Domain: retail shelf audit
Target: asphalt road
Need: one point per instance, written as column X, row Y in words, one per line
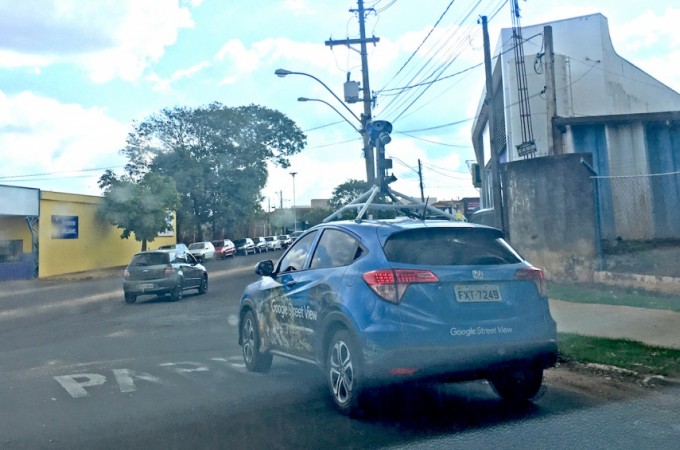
column 79, row 368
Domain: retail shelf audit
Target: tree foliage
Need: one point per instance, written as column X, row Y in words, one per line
column 139, row 207
column 217, row 157
column 350, row 190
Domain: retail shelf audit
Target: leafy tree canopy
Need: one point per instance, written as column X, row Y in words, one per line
column 217, row 156
column 141, row 207
column 349, row 191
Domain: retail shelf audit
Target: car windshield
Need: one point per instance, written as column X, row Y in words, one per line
column 449, row 246
column 240, row 242
column 196, row 246
column 269, row 238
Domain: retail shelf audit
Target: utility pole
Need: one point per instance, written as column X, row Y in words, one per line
column 495, row 169
column 554, row 141
column 366, row 116
column 420, row 177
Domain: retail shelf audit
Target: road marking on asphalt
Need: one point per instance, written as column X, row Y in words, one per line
column 76, row 384
column 186, row 367
column 126, row 379
column 77, row 388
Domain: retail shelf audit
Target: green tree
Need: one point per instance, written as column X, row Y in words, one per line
column 346, row 192
column 349, row 191
column 217, row 156
column 140, row 207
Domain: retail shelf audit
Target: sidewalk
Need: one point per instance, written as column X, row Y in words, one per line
column 650, row 326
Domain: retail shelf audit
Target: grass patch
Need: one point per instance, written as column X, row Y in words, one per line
column 612, row 295
column 620, row 353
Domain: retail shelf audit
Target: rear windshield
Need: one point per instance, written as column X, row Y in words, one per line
column 150, row 259
column 449, row 247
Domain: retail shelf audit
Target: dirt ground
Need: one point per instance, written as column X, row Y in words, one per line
column 604, row 382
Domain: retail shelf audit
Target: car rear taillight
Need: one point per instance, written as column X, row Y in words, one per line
column 535, row 275
column 126, row 274
column 168, row 271
column 390, row 284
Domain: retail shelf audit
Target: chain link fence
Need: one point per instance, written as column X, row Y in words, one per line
column 639, row 223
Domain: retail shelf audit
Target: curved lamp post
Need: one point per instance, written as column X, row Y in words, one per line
column 283, row 72
column 305, row 99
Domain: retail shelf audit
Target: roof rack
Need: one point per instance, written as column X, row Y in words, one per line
column 403, row 203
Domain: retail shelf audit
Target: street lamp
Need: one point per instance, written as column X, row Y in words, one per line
column 294, row 210
column 305, row 99
column 368, row 150
column 283, row 73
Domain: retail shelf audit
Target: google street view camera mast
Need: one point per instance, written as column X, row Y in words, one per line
column 378, row 132
column 379, row 135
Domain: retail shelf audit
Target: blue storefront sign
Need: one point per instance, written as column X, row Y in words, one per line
column 64, row 227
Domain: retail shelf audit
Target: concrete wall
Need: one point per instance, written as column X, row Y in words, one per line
column 98, row 244
column 549, row 210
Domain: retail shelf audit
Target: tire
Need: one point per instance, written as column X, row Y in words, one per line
column 255, row 360
column 177, row 294
column 130, row 298
column 518, row 385
column 344, row 372
column 203, row 286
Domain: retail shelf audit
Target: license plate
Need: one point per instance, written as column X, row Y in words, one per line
column 146, row 286
column 467, row 293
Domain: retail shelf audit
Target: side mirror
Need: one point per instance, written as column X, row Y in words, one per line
column 264, row 268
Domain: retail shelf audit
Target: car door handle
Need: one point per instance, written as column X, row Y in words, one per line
column 290, row 283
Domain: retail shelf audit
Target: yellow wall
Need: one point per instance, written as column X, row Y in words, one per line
column 98, row 244
column 13, row 227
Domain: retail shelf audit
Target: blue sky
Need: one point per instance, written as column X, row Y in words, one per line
column 75, row 75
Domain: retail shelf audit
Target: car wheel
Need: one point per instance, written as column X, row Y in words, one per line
column 177, row 293
column 255, row 360
column 343, row 367
column 203, row 287
column 518, row 385
column 130, row 298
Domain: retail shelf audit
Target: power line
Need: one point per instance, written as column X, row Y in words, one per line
column 24, row 177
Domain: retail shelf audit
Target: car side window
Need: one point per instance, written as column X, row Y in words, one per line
column 296, row 256
column 336, row 249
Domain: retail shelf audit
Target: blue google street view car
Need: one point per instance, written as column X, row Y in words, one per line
column 374, row 302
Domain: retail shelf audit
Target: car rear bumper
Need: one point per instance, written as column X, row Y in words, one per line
column 150, row 287
column 457, row 362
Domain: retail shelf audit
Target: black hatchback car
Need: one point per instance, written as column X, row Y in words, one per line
column 163, row 272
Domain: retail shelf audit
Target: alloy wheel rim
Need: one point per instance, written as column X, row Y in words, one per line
column 341, row 372
column 248, row 340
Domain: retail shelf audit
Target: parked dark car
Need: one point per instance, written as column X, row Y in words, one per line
column 163, row 272
column 224, row 248
column 245, row 246
column 374, row 302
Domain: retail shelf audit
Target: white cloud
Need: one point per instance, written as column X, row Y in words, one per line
column 165, row 84
column 108, row 39
column 42, row 136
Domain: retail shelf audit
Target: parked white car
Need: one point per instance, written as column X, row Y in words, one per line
column 273, row 243
column 202, row 251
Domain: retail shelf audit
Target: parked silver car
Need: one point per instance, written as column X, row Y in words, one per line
column 202, row 251
column 273, row 243
column 163, row 272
